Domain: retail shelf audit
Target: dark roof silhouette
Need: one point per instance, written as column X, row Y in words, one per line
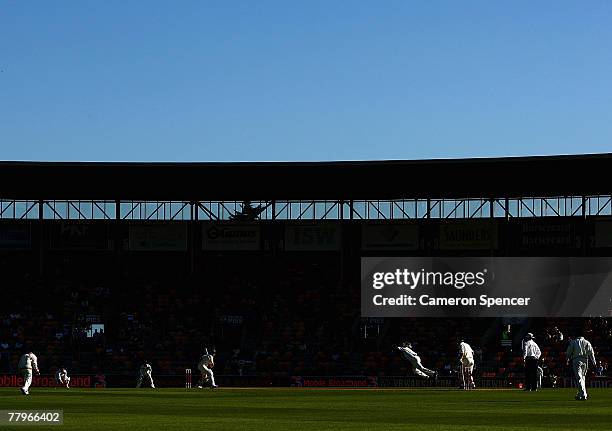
column 539, row 176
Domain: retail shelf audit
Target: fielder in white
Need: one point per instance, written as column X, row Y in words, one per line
column 61, row 377
column 466, row 361
column 27, row 364
column 578, row 354
column 146, row 375
column 205, row 366
column 415, row 361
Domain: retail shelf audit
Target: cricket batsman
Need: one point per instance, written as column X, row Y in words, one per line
column 61, row 377
column 27, row 364
column 466, row 362
column 415, row 361
column 145, row 374
column 205, row 366
column 578, row 354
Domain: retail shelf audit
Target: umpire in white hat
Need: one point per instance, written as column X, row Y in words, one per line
column 531, row 355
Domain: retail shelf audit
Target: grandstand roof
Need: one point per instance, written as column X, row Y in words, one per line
column 539, row 176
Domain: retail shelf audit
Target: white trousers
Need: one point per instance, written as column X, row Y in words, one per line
column 27, row 379
column 467, row 370
column 420, row 370
column 142, row 377
column 540, row 376
column 580, row 372
column 205, row 371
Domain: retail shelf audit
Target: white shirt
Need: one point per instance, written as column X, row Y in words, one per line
column 466, row 352
column 29, row 361
column 579, row 348
column 61, row 374
column 408, row 353
column 207, row 361
column 146, row 368
column 531, row 349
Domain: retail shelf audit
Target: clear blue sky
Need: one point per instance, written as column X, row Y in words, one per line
column 303, row 80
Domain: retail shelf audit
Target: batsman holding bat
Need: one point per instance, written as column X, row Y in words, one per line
column 466, row 362
column 205, row 366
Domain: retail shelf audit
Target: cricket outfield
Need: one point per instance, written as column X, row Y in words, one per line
column 314, row 409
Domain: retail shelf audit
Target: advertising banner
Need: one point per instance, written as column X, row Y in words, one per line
column 334, row 382
column 603, row 233
column 547, row 234
column 14, row 236
column 76, row 381
column 79, row 236
column 468, row 235
column 222, row 237
column 313, row 237
column 389, row 236
column 158, row 237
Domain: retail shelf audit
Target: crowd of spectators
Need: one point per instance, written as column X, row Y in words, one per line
column 279, row 316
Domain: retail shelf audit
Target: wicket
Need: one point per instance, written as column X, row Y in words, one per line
column 187, row 378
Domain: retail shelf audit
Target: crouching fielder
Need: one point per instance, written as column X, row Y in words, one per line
column 205, row 366
column 61, row 377
column 146, row 375
column 466, row 362
column 415, row 361
column 27, row 364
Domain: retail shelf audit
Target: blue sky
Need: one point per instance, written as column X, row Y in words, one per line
column 303, row 80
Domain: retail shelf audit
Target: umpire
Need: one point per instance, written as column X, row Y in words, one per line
column 531, row 354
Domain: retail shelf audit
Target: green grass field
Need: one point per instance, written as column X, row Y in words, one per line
column 315, row 409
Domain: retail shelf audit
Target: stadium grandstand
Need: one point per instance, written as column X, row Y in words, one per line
column 105, row 264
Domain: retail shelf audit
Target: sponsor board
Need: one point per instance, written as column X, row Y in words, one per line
column 548, row 234
column 591, row 382
column 158, row 237
column 389, row 236
column 313, row 237
column 414, row 382
column 15, row 236
column 76, row 381
column 232, row 320
column 178, row 380
column 223, row 237
column 603, row 234
column 468, row 235
column 79, row 236
column 334, row 382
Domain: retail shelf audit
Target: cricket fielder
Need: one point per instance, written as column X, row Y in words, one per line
column 466, row 360
column 146, row 374
column 578, row 354
column 27, row 364
column 415, row 361
column 61, row 377
column 205, row 366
